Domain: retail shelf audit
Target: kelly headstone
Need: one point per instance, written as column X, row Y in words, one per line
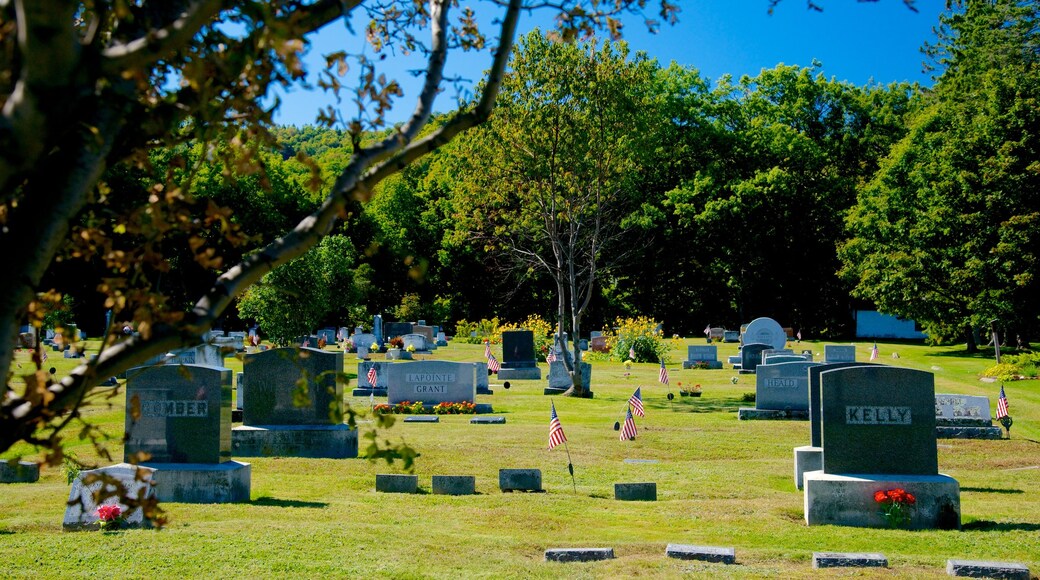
column 879, row 433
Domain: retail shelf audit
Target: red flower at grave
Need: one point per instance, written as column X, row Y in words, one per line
column 109, row 513
column 880, row 496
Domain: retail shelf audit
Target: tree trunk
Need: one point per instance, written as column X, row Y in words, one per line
column 969, row 336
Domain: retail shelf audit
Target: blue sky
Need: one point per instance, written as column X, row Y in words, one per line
column 856, row 41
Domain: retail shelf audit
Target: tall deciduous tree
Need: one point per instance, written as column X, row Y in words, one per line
column 557, row 165
column 946, row 233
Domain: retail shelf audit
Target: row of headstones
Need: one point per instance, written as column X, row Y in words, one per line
column 509, row 480
column 960, row 568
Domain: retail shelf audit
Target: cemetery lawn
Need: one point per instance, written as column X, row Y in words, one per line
column 720, row 482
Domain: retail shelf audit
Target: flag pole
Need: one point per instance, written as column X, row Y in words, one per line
column 570, row 466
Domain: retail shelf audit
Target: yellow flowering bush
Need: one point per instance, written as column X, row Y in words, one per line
column 639, row 336
column 477, row 332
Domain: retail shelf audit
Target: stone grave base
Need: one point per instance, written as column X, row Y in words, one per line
column 484, row 391
column 227, row 482
column 327, row 441
column 561, row 390
column 848, row 500
column 712, row 364
column 991, row 432
column 635, row 491
column 454, row 485
column 520, row 374
column 21, row 472
column 749, row 414
column 366, row 391
column 806, row 458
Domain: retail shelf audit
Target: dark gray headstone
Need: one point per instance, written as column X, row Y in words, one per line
column 454, row 485
column 377, row 328
column 431, row 382
column 392, row 329
column 19, row 471
column 751, row 356
column 273, row 376
column 185, row 414
column 815, row 418
column 518, row 349
column 520, row 479
column 731, row 336
column 635, row 491
column 878, row 420
column 783, row 386
column 397, row 483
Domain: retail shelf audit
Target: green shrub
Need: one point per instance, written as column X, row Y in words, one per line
column 480, row 331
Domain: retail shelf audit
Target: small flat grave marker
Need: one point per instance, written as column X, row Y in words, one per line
column 422, row 419
column 578, row 554
column 848, row 560
column 982, row 569
column 488, row 420
column 701, row 553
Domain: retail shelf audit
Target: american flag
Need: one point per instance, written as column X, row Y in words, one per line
column 551, row 356
column 307, row 343
column 628, row 431
column 632, row 353
column 44, row 357
column 1002, row 404
column 799, row 334
column 556, row 435
column 372, row 375
column 487, row 349
column 663, row 375
column 874, row 353
column 493, row 365
column 707, row 329
column 636, row 400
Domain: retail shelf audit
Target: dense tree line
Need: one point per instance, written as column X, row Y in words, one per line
column 786, row 194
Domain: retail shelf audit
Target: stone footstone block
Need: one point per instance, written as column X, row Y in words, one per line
column 806, row 458
column 579, row 554
column 968, row 432
column 397, row 483
column 317, row 441
column 484, row 408
column 81, row 510
column 488, row 420
column 749, row 414
column 635, row 491
column 520, row 479
column 454, row 484
column 21, row 472
column 422, row 419
column 227, row 482
column 848, row 500
column 848, row 560
column 701, row 553
column 980, row 569
column 520, row 374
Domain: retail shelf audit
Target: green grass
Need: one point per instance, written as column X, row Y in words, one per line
column 720, row 482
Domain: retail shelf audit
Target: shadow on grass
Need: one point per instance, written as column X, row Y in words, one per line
column 702, row 405
column 989, row 526
column 991, row 490
column 289, row 503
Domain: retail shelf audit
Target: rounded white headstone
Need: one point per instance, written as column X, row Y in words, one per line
column 766, row 331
